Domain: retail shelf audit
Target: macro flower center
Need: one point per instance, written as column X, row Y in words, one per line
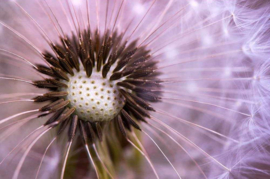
column 94, row 78
column 95, row 98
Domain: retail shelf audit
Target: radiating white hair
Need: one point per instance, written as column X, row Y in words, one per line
column 214, row 59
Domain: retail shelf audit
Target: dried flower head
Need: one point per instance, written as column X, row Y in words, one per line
column 134, row 89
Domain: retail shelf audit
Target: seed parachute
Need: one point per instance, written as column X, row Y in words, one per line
column 134, row 89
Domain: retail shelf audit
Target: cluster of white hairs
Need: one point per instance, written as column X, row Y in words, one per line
column 212, row 119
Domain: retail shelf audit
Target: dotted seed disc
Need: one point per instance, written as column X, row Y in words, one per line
column 95, row 98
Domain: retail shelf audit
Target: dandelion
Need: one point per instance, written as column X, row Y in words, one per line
column 134, row 89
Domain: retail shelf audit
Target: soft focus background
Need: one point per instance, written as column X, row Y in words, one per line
column 214, row 57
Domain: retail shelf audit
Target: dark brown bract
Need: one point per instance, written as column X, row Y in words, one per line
column 116, row 60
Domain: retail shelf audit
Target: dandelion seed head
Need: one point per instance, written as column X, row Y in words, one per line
column 185, row 80
column 95, row 98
